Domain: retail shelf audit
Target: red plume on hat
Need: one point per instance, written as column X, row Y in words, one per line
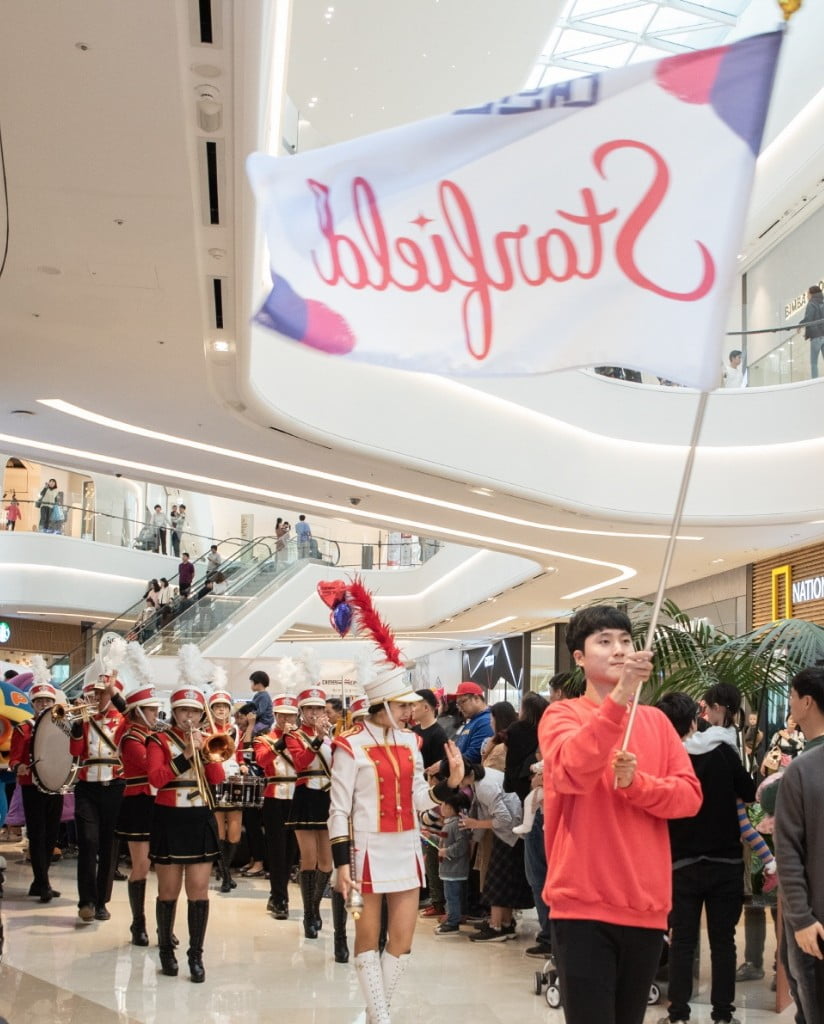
column 368, row 620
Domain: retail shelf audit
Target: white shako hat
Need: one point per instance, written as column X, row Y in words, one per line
column 314, row 697
column 188, row 697
column 142, row 697
column 285, row 704
column 394, row 684
column 42, row 690
column 359, row 708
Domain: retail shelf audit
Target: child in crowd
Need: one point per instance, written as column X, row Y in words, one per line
column 453, row 861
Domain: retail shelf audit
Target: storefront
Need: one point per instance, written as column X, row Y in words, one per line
column 789, row 586
column 20, row 639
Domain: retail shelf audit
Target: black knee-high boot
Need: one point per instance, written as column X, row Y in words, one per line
column 198, row 919
column 227, row 853
column 321, row 879
column 307, row 892
column 339, row 924
column 165, row 910
column 137, row 901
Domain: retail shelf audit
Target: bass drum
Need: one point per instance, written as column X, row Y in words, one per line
column 53, row 768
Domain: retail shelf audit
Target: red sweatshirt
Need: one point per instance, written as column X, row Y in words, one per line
column 608, row 851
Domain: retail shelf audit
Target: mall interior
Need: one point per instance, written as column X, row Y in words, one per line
column 481, row 512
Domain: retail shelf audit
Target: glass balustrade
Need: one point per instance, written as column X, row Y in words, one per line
column 253, row 572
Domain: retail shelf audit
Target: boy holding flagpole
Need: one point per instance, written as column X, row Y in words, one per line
column 609, row 880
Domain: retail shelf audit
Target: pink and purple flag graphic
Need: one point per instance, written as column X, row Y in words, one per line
column 592, row 222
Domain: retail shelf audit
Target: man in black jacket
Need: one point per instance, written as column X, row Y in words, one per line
column 707, row 862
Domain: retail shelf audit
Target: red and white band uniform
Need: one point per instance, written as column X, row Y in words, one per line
column 97, row 797
column 184, row 841
column 134, row 824
column 310, row 749
column 280, row 776
column 42, row 810
column 311, row 755
column 378, row 780
column 173, row 776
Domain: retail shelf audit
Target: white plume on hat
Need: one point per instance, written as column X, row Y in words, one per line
column 220, row 678
column 192, row 667
column 136, row 667
column 112, row 655
column 366, row 668
column 287, row 674
column 309, row 664
column 40, row 670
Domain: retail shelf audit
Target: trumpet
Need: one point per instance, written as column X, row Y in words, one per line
column 68, row 714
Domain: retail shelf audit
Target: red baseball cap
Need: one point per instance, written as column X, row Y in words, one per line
column 469, row 690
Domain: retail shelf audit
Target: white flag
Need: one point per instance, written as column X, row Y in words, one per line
column 593, row 222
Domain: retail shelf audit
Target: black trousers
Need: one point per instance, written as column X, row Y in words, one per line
column 175, row 538
column 281, row 847
column 605, row 970
column 42, row 812
column 253, row 823
column 96, row 807
column 161, row 540
column 720, row 889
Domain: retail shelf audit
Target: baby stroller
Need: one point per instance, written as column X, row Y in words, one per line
column 549, row 977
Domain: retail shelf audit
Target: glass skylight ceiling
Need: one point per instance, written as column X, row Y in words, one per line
column 593, row 35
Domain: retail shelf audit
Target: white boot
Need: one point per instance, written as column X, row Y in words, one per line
column 393, row 969
column 370, row 979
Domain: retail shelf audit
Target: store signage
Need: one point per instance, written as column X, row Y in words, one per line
column 5, row 632
column 798, row 303
column 808, row 590
column 794, row 591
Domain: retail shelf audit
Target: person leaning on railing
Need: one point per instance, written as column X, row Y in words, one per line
column 814, row 330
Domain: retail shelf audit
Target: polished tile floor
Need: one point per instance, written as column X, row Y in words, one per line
column 57, row 971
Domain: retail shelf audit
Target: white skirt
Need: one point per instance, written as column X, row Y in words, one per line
column 389, row 861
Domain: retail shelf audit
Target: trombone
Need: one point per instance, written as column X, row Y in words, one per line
column 203, row 788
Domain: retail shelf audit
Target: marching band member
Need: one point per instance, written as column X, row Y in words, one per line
column 229, row 819
column 279, row 771
column 378, row 786
column 183, row 841
column 42, row 810
column 134, row 823
column 310, row 751
column 97, row 796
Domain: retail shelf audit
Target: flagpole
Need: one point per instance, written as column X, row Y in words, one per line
column 670, row 550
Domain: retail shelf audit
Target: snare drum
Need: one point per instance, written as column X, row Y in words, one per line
column 253, row 787
column 229, row 795
column 53, row 768
column 239, row 793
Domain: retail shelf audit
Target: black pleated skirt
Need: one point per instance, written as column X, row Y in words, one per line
column 183, row 835
column 134, row 821
column 309, row 810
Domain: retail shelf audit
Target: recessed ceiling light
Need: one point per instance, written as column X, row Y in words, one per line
column 221, row 346
column 716, row 561
column 81, row 46
column 484, row 491
column 45, row 269
column 216, row 253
